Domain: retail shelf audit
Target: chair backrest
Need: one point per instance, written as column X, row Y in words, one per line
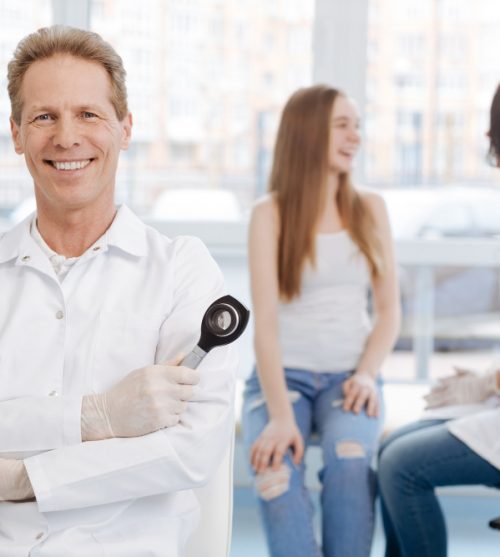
column 213, row 536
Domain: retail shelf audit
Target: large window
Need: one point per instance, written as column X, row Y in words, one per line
column 17, row 19
column 207, row 80
column 432, row 68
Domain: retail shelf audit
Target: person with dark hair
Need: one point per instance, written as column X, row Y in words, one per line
column 422, row 456
column 103, row 436
column 494, row 131
column 317, row 245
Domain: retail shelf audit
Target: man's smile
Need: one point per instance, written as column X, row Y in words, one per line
column 68, row 164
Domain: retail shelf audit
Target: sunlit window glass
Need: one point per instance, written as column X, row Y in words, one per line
column 207, row 80
column 17, row 19
column 432, row 70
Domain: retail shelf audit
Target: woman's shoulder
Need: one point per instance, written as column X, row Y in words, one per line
column 266, row 207
column 373, row 200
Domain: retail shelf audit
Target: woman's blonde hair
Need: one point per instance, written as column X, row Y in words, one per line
column 58, row 39
column 298, row 184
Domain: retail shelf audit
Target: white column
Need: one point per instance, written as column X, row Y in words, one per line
column 340, row 51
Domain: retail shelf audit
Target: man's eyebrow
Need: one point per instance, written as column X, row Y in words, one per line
column 80, row 108
column 90, row 108
column 40, row 108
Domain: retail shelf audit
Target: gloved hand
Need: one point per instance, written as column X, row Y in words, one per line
column 146, row 400
column 465, row 387
column 14, row 481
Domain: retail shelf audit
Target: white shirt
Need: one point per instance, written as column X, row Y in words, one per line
column 325, row 328
column 133, row 299
column 60, row 263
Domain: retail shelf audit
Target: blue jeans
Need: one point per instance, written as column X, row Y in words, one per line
column 412, row 462
column 347, row 478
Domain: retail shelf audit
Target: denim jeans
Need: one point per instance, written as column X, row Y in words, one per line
column 347, row 478
column 412, row 462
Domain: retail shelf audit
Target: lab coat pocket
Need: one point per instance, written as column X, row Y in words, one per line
column 124, row 341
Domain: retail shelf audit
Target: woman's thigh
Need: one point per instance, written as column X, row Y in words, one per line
column 255, row 413
column 345, row 434
column 430, row 456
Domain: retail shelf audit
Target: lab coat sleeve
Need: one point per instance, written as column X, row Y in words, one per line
column 55, row 419
column 172, row 459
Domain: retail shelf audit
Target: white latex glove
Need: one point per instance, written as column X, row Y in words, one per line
column 146, row 400
column 465, row 387
column 14, row 482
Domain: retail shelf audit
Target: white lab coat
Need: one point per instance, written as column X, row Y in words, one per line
column 481, row 432
column 133, row 299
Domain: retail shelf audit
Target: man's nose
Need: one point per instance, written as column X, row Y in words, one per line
column 66, row 133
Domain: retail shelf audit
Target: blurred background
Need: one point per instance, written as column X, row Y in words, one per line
column 207, row 80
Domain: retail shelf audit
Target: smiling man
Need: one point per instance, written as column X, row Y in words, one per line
column 102, row 435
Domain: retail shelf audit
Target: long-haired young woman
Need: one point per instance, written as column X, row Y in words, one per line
column 317, row 246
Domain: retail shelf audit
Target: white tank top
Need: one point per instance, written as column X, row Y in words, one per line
column 326, row 327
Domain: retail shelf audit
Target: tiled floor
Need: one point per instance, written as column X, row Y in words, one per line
column 467, row 519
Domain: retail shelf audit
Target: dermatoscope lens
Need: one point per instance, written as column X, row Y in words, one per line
column 223, row 320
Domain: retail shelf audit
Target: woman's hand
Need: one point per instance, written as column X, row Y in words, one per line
column 276, row 438
column 360, row 391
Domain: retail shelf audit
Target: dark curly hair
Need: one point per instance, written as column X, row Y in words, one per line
column 494, row 131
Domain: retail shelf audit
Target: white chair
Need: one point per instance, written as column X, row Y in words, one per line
column 213, row 536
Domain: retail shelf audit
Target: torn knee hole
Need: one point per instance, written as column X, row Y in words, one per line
column 273, row 483
column 349, row 449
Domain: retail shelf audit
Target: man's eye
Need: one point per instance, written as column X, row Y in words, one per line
column 89, row 115
column 43, row 118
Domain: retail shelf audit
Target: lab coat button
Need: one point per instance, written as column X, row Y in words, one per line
column 59, row 314
column 39, row 536
column 53, row 393
column 26, row 258
column 96, row 248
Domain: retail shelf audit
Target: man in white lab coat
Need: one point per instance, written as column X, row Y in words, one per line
column 102, row 436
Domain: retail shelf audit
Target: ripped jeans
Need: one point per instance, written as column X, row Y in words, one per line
column 348, row 444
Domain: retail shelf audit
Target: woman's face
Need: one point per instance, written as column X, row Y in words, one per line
column 344, row 135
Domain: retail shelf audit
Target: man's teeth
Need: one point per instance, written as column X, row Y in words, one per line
column 73, row 165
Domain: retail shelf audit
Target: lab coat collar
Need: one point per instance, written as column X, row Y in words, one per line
column 126, row 232
column 17, row 241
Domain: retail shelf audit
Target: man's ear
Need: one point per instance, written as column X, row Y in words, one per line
column 16, row 137
column 127, row 131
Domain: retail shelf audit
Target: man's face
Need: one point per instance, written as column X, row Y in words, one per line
column 69, row 133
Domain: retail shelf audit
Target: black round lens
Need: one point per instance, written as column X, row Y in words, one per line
column 222, row 320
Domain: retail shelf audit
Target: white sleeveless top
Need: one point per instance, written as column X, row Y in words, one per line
column 326, row 327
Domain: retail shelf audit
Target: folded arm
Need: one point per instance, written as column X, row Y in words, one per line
column 168, row 460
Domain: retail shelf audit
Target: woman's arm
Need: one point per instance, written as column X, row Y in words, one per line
column 387, row 317
column 281, row 432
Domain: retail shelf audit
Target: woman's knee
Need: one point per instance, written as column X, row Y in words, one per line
column 397, row 464
column 347, row 461
column 271, row 484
